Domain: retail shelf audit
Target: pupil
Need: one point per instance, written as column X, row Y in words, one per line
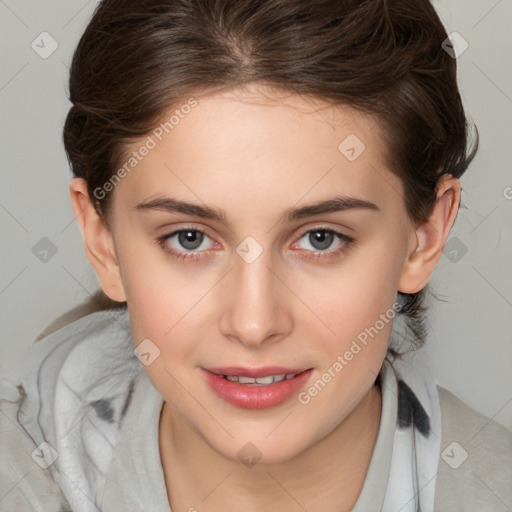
column 321, row 239
column 190, row 239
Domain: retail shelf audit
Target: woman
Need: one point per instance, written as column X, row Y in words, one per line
column 264, row 189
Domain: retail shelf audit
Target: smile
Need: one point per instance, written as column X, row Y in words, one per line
column 259, row 381
column 238, row 387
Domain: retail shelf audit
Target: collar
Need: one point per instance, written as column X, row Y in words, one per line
column 135, row 479
column 401, row 474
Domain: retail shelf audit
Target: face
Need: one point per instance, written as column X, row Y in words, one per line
column 259, row 238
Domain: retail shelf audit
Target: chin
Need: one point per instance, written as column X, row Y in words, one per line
column 256, row 449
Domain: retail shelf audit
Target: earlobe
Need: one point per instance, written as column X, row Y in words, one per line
column 98, row 241
column 430, row 237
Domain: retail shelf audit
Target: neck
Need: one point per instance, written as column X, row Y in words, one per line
column 326, row 476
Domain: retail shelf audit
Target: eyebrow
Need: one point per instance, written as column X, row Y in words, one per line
column 336, row 204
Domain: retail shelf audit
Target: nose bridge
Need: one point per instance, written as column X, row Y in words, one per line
column 256, row 310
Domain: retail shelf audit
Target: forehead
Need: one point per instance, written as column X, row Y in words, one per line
column 245, row 144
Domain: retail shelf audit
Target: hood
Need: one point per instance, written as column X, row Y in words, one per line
column 73, row 393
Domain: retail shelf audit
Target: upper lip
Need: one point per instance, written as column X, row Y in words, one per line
column 255, row 372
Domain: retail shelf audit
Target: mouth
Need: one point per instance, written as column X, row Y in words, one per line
column 256, row 388
column 259, row 381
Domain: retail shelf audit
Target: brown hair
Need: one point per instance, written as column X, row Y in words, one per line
column 136, row 59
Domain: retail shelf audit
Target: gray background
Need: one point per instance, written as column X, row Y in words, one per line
column 470, row 344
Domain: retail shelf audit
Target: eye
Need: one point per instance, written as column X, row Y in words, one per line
column 185, row 243
column 322, row 239
column 190, row 243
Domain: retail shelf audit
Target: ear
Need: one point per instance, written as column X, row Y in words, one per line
column 430, row 237
column 98, row 241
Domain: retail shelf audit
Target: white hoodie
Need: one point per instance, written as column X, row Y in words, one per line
column 79, row 432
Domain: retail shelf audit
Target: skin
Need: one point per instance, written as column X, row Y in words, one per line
column 255, row 153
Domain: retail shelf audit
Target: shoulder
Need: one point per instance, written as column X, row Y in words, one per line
column 475, row 463
column 78, row 380
column 26, row 482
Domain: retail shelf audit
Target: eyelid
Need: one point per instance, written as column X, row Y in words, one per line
column 183, row 254
column 345, row 240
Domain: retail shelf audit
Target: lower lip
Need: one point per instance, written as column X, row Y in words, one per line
column 256, row 397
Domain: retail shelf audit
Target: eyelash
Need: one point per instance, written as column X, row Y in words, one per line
column 346, row 240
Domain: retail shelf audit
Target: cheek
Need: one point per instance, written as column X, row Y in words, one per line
column 160, row 292
column 357, row 303
column 164, row 307
column 351, row 297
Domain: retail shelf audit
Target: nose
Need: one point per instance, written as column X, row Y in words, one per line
column 256, row 304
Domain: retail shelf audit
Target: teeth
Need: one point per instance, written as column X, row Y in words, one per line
column 262, row 381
